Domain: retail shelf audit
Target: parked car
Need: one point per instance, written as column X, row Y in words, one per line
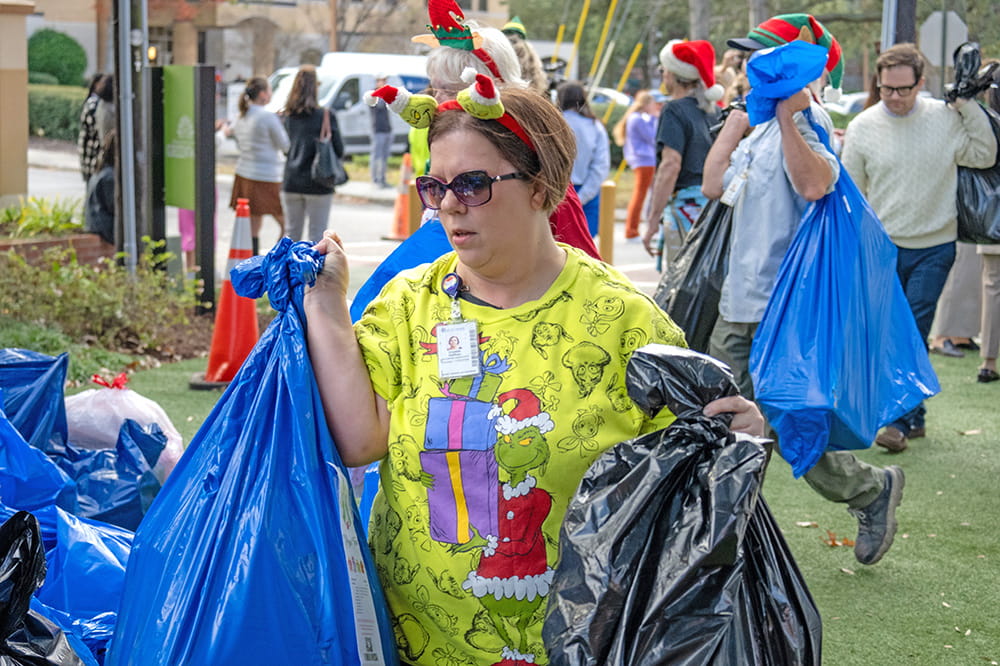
column 344, row 78
column 607, row 95
column 854, row 102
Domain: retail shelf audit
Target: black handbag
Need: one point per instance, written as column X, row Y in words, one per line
column 979, row 198
column 327, row 170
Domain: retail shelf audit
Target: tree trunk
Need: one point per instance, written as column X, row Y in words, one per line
column 699, row 13
column 759, row 12
column 334, row 45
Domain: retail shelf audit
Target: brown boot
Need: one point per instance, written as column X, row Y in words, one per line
column 892, row 438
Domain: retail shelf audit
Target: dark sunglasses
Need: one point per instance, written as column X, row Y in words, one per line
column 472, row 188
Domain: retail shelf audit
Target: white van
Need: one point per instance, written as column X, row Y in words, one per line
column 344, row 78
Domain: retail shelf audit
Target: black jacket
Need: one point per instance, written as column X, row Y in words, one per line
column 303, row 130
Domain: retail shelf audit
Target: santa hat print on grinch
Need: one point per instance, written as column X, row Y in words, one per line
column 692, row 61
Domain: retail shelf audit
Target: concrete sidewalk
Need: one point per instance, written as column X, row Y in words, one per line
column 629, row 256
column 64, row 160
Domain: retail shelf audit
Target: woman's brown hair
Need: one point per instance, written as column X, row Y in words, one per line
column 549, row 166
column 302, row 99
column 255, row 87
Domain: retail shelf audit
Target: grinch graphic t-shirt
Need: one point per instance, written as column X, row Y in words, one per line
column 480, row 469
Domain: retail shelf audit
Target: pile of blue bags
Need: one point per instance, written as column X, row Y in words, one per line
column 85, row 505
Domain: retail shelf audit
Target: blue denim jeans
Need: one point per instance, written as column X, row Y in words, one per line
column 922, row 273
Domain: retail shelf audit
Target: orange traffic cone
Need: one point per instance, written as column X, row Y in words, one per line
column 236, row 331
column 401, row 211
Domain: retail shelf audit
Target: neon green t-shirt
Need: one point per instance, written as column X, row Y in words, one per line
column 480, row 470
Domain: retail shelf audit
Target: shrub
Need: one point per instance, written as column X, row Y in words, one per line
column 103, row 305
column 41, row 217
column 84, row 361
column 54, row 111
column 58, row 54
column 42, row 77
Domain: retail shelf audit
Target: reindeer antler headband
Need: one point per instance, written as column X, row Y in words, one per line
column 480, row 100
column 448, row 28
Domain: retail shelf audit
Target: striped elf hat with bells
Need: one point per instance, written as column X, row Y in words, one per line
column 786, row 28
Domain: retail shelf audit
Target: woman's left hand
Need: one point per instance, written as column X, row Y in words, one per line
column 746, row 415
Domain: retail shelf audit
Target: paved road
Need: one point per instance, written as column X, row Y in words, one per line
column 361, row 214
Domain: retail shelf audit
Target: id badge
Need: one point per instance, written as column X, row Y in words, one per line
column 458, row 349
column 736, row 186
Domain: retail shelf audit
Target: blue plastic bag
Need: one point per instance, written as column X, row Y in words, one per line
column 778, row 73
column 837, row 354
column 33, row 395
column 253, row 551
column 425, row 245
column 116, row 485
column 28, row 478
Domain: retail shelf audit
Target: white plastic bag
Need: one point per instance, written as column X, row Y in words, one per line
column 95, row 416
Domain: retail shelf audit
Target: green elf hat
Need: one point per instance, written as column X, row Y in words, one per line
column 786, row 28
column 515, row 25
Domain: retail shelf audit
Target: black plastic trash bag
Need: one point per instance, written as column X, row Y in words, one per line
column 253, row 552
column 690, row 288
column 979, row 196
column 970, row 77
column 668, row 555
column 25, row 636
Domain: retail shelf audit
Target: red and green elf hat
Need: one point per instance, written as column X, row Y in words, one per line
column 786, row 28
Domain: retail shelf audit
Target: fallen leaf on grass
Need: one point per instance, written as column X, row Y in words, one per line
column 846, row 571
column 806, row 523
column 976, row 431
column 946, row 604
column 833, row 541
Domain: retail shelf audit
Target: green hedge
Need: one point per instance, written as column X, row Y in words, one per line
column 42, row 77
column 58, row 54
column 54, row 111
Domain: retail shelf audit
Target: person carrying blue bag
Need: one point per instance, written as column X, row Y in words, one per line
column 770, row 175
column 253, row 552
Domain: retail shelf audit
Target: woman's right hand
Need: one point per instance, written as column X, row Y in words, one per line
column 332, row 282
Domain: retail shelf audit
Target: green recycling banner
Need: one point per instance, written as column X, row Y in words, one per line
column 178, row 136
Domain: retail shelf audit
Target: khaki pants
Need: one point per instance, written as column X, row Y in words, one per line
column 838, row 476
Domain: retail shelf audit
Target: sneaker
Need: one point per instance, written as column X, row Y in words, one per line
column 892, row 438
column 877, row 521
column 917, row 433
column 948, row 348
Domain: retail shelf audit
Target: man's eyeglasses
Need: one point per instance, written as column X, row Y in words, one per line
column 902, row 91
column 472, row 188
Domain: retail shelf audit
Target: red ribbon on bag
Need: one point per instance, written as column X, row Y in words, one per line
column 119, row 382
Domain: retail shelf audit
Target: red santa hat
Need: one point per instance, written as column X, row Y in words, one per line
column 395, row 98
column 692, row 61
column 527, row 412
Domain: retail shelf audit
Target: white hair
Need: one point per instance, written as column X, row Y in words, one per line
column 445, row 64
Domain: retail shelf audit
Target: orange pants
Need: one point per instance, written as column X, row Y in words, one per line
column 643, row 179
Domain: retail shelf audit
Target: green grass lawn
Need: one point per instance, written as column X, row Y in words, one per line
column 932, row 600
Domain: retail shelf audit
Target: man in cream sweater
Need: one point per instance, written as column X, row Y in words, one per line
column 904, row 154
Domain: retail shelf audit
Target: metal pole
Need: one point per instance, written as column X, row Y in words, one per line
column 126, row 145
column 888, row 24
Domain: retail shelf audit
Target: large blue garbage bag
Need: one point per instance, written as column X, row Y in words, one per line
column 778, row 73
column 86, row 570
column 28, row 478
column 837, row 354
column 425, row 245
column 33, row 395
column 116, row 485
column 253, row 552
